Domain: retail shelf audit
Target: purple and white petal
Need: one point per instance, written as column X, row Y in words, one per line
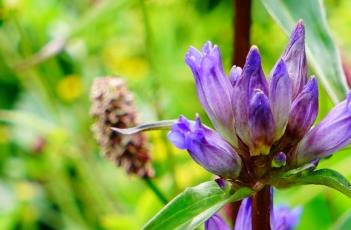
column 304, row 110
column 252, row 78
column 280, row 93
column 243, row 218
column 261, row 124
column 330, row 135
column 214, row 88
column 234, row 74
column 286, row 218
column 216, row 223
column 294, row 57
column 206, row 147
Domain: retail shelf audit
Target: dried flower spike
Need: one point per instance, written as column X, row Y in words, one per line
column 113, row 106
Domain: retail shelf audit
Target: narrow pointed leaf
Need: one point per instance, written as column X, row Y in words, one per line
column 194, row 206
column 157, row 125
column 321, row 50
column 327, row 177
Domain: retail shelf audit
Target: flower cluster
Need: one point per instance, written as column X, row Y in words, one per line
column 262, row 126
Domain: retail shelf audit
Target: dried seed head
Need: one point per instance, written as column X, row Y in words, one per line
column 113, row 106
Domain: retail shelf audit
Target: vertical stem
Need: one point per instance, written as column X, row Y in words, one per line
column 241, row 46
column 261, row 209
column 155, row 190
column 155, row 84
column 242, row 23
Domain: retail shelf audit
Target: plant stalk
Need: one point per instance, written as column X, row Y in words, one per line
column 241, row 31
column 155, row 190
column 261, row 209
column 240, row 47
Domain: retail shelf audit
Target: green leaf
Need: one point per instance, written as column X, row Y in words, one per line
column 321, row 50
column 194, row 206
column 344, row 223
column 327, row 177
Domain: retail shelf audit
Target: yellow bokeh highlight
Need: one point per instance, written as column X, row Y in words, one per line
column 25, row 191
column 158, row 148
column 119, row 59
column 184, row 178
column 117, row 221
column 70, row 88
column 4, row 135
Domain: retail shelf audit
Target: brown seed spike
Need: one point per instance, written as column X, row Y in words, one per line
column 113, row 106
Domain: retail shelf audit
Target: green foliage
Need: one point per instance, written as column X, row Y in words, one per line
column 194, row 206
column 321, row 50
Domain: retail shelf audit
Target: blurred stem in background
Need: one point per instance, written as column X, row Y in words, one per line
column 155, row 84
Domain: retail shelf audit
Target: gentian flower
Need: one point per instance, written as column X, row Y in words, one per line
column 263, row 132
column 261, row 126
column 282, row 218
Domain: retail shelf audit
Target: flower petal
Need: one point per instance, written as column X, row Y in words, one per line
column 261, row 124
column 303, row 113
column 213, row 88
column 280, row 97
column 206, row 147
column 234, row 74
column 331, row 134
column 216, row 223
column 295, row 58
column 286, row 218
column 243, row 219
column 251, row 79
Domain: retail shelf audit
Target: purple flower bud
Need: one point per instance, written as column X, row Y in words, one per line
column 279, row 160
column 304, row 110
column 251, row 79
column 286, row 218
column 331, row 134
column 261, row 124
column 216, row 223
column 213, row 88
column 206, row 147
column 234, row 74
column 280, row 97
column 294, row 57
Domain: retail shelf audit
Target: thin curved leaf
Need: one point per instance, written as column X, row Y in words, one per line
column 327, row 177
column 194, row 206
column 157, row 125
column 321, row 50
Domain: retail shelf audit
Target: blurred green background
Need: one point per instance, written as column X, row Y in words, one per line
column 52, row 175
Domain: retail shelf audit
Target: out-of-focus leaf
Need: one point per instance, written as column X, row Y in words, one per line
column 321, row 50
column 344, row 223
column 194, row 206
column 327, row 177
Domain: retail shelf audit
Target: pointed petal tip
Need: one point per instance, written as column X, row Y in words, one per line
column 253, row 57
column 298, row 31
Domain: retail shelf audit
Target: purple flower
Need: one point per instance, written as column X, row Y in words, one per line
column 331, row 134
column 206, row 147
column 213, row 87
column 216, row 223
column 254, row 117
column 282, row 218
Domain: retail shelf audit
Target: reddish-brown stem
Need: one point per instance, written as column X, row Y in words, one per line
column 261, row 209
column 241, row 32
column 241, row 46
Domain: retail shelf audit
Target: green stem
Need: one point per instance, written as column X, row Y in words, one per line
column 155, row 84
column 155, row 190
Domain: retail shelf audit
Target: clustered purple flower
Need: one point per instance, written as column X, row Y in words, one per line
column 262, row 126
